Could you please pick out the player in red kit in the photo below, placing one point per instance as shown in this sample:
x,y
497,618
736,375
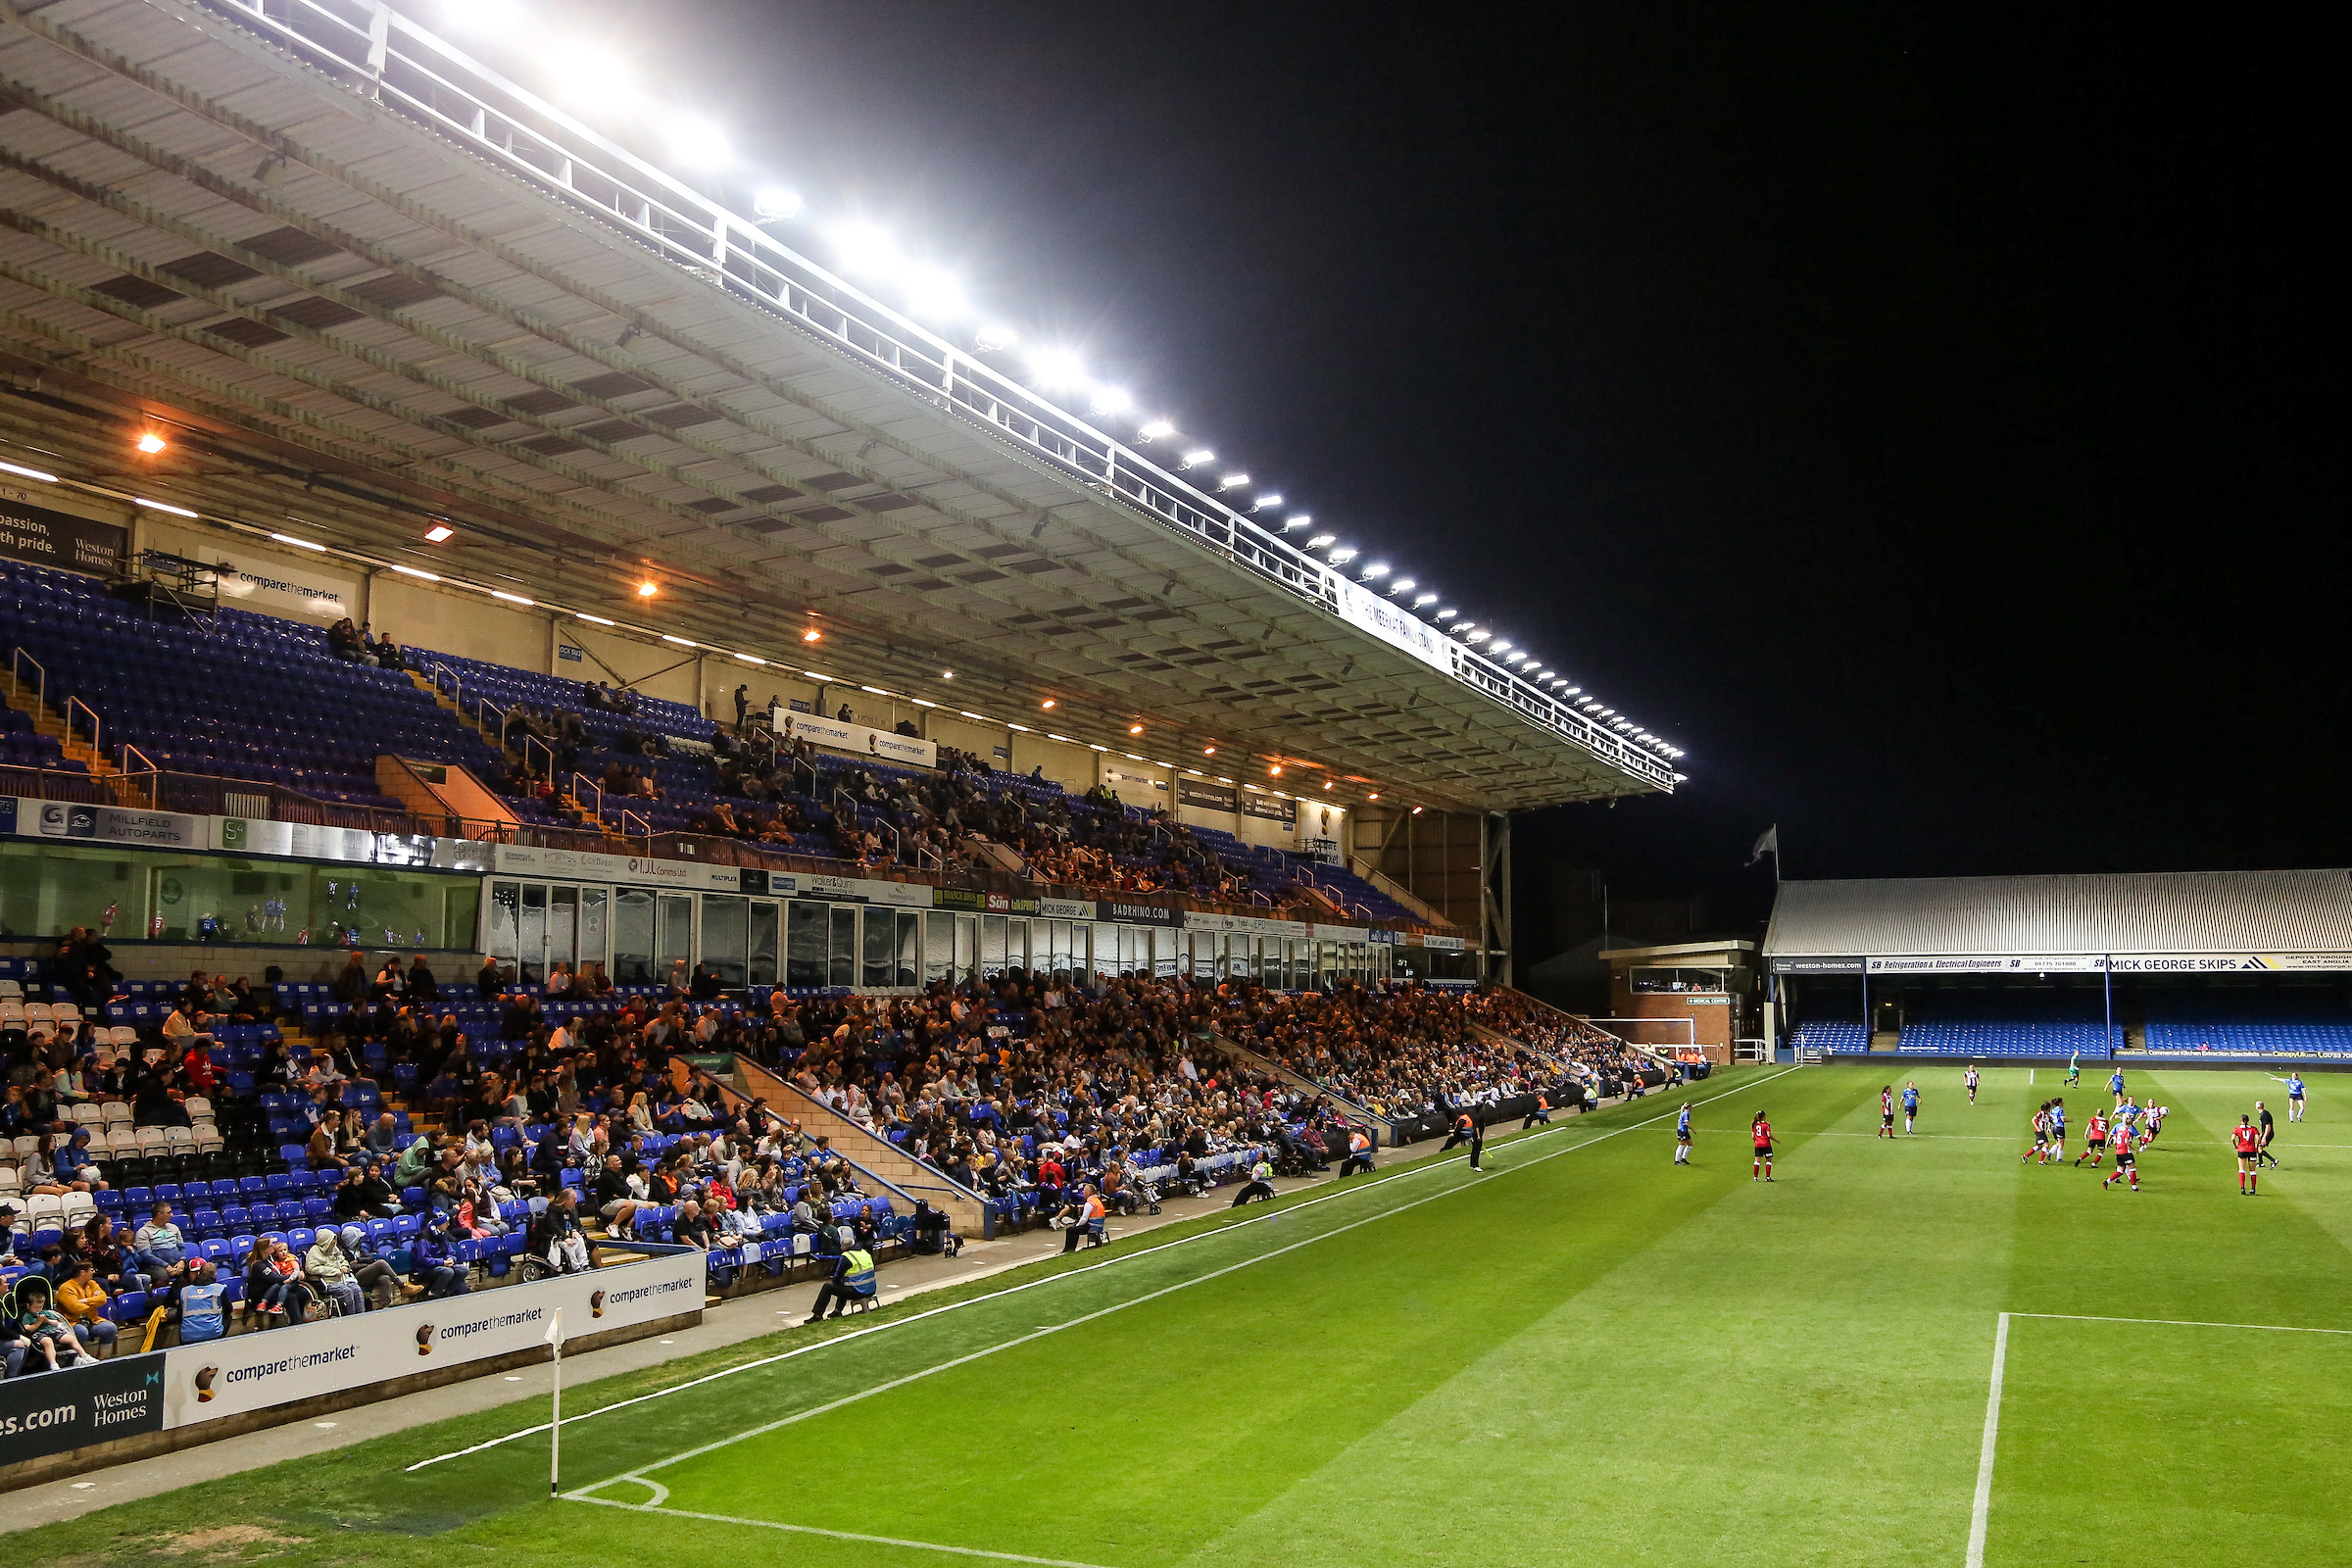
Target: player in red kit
x,y
1886,1111
2094,1140
2126,1163
1761,1133
2247,1138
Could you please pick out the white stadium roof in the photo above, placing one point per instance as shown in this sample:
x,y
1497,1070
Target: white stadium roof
x,y
2138,912
367,282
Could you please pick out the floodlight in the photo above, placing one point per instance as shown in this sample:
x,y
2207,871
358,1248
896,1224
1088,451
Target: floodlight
x,y
438,532
589,74
936,292
774,202
1109,400
1445,614
1297,519
1403,585
1480,636
862,247
697,142
1155,430
150,443
990,339
1378,569
1233,481
1426,598
1197,455
1271,499
1503,647
1344,555
648,588
1056,369
1320,540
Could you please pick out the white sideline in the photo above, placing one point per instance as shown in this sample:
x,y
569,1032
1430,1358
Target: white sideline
x,y
1124,1257
836,1535
1631,1127
1979,1515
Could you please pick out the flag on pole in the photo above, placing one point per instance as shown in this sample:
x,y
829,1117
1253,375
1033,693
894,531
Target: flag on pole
x,y
1768,842
555,1417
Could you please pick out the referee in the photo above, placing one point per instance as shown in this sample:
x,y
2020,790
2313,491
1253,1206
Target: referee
x,y
2262,1119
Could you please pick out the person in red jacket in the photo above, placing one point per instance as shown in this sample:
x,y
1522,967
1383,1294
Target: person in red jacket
x,y
1761,1133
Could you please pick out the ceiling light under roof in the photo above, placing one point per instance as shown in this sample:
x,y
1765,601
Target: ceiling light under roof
x,y
439,533
29,473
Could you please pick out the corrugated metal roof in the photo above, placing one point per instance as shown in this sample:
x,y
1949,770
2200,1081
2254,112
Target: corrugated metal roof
x,y
2155,911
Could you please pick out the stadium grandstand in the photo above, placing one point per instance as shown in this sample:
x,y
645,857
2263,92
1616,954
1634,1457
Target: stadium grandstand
x,y
549,736
2233,965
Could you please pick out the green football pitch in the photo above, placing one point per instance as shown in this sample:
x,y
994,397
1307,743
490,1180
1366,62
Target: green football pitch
x,y
1585,1355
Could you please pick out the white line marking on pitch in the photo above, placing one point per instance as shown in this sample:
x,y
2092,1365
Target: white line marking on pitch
x,y
2179,1323
1124,1257
836,1535
1979,1515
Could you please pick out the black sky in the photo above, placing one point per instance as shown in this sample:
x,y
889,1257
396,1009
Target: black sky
x,y
1929,416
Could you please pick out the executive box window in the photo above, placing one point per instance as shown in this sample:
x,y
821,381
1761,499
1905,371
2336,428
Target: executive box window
x,y
1655,982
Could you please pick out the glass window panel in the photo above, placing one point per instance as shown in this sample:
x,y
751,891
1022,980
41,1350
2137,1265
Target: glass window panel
x,y
563,926
911,952
596,907
939,947
878,946
844,970
968,947
726,925
1106,949
992,946
530,935
807,958
760,967
505,905
677,932
1016,943
633,936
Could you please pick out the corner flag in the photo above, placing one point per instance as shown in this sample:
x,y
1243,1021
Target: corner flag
x,y
1768,842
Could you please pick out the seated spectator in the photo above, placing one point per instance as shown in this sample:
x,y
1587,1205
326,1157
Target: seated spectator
x,y
273,1284
433,1262
82,1299
38,1335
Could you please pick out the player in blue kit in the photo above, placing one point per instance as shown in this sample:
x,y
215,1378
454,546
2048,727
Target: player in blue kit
x,y
1910,1105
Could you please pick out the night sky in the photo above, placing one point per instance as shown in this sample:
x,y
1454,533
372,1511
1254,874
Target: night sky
x,y
1928,417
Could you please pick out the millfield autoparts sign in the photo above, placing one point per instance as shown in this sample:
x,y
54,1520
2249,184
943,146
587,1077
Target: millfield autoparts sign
x,y
96,1401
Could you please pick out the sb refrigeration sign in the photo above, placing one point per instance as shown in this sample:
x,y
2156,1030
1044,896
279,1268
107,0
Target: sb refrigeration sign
x,y
96,1401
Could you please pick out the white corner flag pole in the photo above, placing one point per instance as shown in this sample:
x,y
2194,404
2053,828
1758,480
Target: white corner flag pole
x,y
555,1429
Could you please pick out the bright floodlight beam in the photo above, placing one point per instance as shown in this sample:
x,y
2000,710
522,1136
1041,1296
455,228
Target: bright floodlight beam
x,y
1109,400
862,247
994,337
1197,455
1424,599
774,203
1274,499
1056,369
1297,519
936,292
697,142
1233,481
1155,430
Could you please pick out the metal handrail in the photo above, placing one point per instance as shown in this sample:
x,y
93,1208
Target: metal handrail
x,y
40,690
411,71
529,741
457,684
88,713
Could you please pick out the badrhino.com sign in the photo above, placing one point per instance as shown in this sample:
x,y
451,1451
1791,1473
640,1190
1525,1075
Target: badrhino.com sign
x,y
96,1401
256,1371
